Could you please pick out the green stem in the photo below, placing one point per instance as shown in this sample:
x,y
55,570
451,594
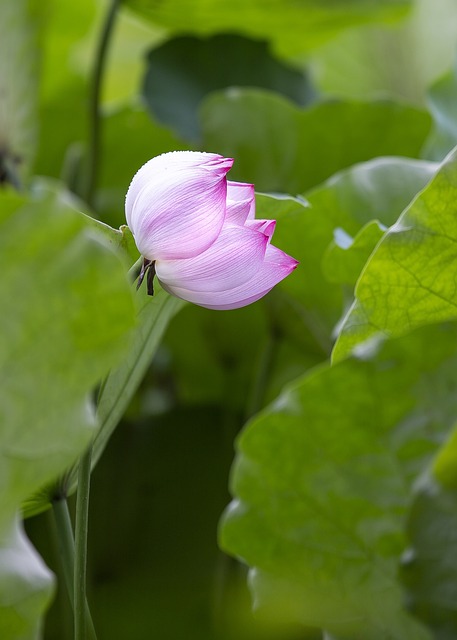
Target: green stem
x,y
66,542
94,101
67,554
81,528
63,604
135,269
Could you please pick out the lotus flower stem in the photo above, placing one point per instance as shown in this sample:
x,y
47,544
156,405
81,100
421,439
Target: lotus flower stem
x,y
81,528
94,102
66,543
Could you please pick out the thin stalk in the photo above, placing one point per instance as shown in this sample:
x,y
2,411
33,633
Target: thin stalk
x,y
94,101
62,601
81,528
66,544
135,269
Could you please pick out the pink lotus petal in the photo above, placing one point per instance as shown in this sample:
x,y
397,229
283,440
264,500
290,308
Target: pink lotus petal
x,y
234,258
165,162
276,267
239,191
240,202
175,206
264,226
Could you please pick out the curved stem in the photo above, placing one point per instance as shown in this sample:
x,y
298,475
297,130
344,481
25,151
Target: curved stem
x,y
94,101
81,528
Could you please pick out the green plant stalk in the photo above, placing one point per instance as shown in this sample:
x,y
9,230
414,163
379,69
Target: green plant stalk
x,y
62,599
94,102
66,543
81,528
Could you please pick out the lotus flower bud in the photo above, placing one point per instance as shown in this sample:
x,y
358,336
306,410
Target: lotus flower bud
x,y
198,233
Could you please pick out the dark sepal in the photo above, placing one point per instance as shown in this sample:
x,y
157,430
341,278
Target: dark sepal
x,y
148,267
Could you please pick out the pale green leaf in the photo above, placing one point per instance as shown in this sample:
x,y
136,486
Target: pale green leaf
x,y
379,189
67,314
293,27
375,190
409,280
280,147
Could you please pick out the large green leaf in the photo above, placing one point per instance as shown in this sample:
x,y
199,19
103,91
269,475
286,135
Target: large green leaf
x,y
293,325
409,280
323,481
67,313
379,189
376,190
293,27
182,71
19,73
280,147
304,236
429,569
346,256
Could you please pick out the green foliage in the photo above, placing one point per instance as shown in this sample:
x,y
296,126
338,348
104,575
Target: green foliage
x,y
280,147
26,585
292,27
409,279
181,72
119,386
63,87
428,569
323,486
19,68
129,139
346,256
441,102
400,62
67,315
